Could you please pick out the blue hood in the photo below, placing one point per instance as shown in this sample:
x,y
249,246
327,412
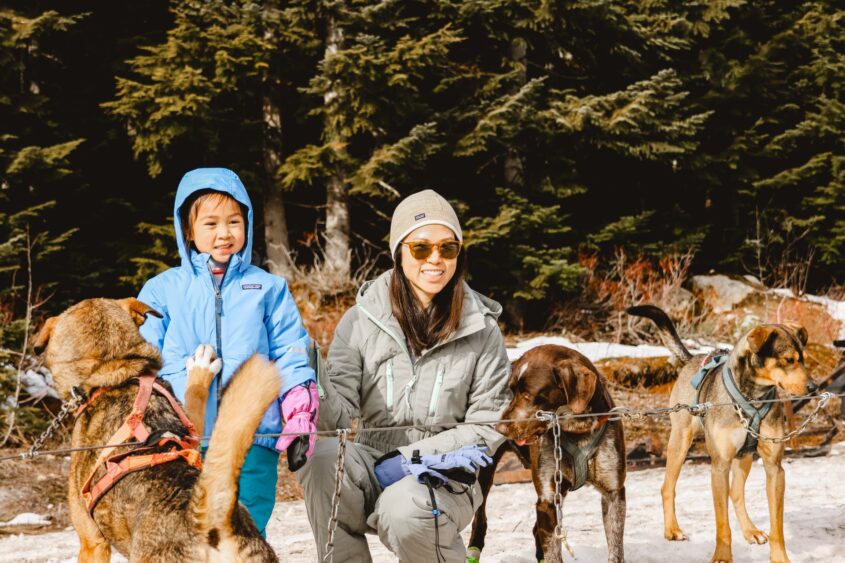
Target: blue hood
x,y
220,180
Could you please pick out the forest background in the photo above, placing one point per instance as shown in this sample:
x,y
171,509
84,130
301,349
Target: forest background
x,y
590,146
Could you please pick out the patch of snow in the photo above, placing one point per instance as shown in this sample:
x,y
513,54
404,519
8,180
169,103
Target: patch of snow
x,y
38,385
27,519
814,521
600,350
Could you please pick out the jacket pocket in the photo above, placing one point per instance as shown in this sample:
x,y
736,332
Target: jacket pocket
x,y
435,393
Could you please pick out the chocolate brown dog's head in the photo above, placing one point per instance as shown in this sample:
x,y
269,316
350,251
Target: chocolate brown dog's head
x,y
774,356
548,378
96,343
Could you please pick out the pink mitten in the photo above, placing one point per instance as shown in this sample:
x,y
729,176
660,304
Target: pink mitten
x,y
299,411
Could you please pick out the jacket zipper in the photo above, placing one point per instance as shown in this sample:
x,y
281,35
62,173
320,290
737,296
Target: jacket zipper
x,y
218,313
435,393
389,376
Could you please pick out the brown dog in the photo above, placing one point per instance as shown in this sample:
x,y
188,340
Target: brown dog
x,y
560,380
166,512
768,357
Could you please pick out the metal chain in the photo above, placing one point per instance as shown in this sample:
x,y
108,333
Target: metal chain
x,y
338,476
823,399
560,531
69,406
617,413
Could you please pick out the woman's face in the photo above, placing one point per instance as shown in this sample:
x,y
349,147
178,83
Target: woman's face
x,y
430,275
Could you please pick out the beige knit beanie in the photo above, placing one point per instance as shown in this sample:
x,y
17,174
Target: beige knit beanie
x,y
422,208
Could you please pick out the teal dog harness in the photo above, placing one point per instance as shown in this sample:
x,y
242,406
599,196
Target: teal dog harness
x,y
581,455
752,414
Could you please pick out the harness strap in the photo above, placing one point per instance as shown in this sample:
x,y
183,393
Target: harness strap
x,y
754,415
192,436
706,369
133,425
581,455
118,466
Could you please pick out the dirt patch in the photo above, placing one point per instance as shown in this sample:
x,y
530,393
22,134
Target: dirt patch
x,y
39,486
287,487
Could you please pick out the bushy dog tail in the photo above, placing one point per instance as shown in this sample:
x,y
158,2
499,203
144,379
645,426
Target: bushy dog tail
x,y
248,395
665,329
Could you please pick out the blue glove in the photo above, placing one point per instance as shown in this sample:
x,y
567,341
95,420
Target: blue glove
x,y
393,466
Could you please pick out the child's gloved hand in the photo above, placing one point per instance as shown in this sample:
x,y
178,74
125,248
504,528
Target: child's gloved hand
x,y
299,411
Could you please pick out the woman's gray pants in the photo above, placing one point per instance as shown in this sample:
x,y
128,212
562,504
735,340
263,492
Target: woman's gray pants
x,y
401,515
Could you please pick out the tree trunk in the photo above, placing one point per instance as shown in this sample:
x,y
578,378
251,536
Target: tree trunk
x,y
513,162
515,310
279,260
337,251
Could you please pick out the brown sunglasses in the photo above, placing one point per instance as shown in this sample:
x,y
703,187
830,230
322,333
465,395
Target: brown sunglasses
x,y
421,250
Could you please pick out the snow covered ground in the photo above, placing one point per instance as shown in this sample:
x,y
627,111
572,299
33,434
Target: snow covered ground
x,y
600,350
814,518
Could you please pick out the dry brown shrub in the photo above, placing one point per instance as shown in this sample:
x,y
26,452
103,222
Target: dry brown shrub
x,y
608,289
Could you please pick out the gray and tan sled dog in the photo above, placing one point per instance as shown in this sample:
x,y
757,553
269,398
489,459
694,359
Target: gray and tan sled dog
x,y
149,495
766,361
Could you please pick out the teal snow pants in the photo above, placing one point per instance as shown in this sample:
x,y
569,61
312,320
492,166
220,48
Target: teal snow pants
x,y
258,484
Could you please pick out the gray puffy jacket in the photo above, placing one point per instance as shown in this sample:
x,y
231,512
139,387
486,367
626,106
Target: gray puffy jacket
x,y
371,376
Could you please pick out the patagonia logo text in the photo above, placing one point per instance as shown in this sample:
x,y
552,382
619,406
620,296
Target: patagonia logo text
x,y
251,286
420,216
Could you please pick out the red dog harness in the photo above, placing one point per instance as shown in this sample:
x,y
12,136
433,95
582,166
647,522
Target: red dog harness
x,y
120,465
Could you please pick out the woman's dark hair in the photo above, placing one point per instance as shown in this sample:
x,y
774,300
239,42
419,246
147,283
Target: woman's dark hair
x,y
424,328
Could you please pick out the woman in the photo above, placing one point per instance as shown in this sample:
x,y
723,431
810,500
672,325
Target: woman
x,y
419,348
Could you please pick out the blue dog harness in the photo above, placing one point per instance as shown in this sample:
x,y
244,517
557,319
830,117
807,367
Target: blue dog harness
x,y
753,415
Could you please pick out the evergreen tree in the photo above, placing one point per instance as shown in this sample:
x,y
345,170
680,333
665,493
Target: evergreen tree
x,y
212,94
34,166
34,152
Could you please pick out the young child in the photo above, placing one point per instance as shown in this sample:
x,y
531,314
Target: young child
x,y
217,297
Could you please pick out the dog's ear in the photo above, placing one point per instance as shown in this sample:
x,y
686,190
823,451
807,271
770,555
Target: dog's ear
x,y
514,372
799,331
138,310
44,335
578,384
758,337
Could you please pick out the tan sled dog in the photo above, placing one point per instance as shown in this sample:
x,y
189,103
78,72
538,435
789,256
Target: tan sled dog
x,y
768,357
169,510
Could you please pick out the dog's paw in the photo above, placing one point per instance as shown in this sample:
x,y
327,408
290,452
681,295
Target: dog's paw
x,y
755,536
722,555
675,535
204,359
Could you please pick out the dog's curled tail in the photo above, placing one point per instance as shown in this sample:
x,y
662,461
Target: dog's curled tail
x,y
252,389
665,329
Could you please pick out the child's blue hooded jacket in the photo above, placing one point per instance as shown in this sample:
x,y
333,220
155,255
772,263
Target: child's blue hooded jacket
x,y
253,313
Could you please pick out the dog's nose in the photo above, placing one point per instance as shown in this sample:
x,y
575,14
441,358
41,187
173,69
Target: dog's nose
x,y
812,387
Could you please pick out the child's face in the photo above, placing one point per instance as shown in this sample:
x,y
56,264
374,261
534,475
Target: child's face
x,y
219,228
